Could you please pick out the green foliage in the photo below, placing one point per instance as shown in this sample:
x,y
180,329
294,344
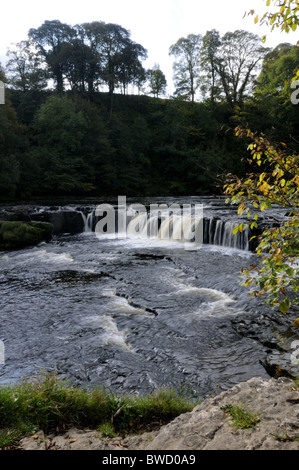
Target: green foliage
x,y
25,67
285,17
242,417
12,143
83,142
49,404
149,146
187,54
273,91
274,180
157,81
239,54
72,144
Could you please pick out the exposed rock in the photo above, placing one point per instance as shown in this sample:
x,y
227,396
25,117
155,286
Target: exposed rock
x,y
16,234
207,427
63,221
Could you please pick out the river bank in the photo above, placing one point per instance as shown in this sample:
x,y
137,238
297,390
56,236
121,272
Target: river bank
x,y
208,427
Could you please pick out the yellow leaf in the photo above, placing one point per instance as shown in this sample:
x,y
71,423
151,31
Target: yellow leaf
x,y
241,209
262,176
256,19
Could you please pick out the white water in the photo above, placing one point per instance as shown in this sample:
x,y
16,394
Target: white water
x,y
182,229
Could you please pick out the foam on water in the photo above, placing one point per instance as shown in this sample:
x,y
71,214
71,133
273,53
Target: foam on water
x,y
33,256
112,335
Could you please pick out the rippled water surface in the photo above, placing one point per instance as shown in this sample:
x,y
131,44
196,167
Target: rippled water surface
x,y
133,315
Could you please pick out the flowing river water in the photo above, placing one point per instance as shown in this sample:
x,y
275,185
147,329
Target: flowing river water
x,y
131,314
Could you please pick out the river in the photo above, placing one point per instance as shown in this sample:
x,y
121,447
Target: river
x,y
130,314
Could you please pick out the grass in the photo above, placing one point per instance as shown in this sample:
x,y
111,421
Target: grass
x,y
286,438
50,404
242,417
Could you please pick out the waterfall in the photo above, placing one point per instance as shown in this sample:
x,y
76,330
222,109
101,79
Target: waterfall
x,y
88,227
178,228
220,232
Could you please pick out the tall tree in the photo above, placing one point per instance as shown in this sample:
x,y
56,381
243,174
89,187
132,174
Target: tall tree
x,y
129,67
157,81
119,56
239,55
210,79
25,67
186,66
51,39
86,59
79,66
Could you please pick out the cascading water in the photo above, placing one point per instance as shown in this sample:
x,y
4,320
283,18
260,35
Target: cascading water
x,y
179,228
221,234
132,313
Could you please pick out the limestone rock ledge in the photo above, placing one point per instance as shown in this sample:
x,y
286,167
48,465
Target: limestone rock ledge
x,y
207,427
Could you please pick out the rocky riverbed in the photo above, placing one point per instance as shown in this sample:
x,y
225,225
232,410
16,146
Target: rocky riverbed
x,y
207,427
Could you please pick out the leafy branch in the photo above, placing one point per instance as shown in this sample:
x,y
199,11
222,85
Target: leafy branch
x,y
275,180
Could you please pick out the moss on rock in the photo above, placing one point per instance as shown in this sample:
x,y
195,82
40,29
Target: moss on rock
x,y
14,235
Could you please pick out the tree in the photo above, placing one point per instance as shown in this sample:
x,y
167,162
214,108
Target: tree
x,y
72,146
274,180
187,65
80,66
209,57
157,81
60,127
273,91
119,56
130,69
52,39
285,17
86,59
238,57
12,145
26,68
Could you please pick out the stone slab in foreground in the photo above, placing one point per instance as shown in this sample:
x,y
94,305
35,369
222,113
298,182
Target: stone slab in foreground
x,y
208,427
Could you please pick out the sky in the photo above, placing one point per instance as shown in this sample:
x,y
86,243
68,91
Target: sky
x,y
155,24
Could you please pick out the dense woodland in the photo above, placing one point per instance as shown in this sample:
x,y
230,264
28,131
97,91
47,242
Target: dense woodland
x,y
69,127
